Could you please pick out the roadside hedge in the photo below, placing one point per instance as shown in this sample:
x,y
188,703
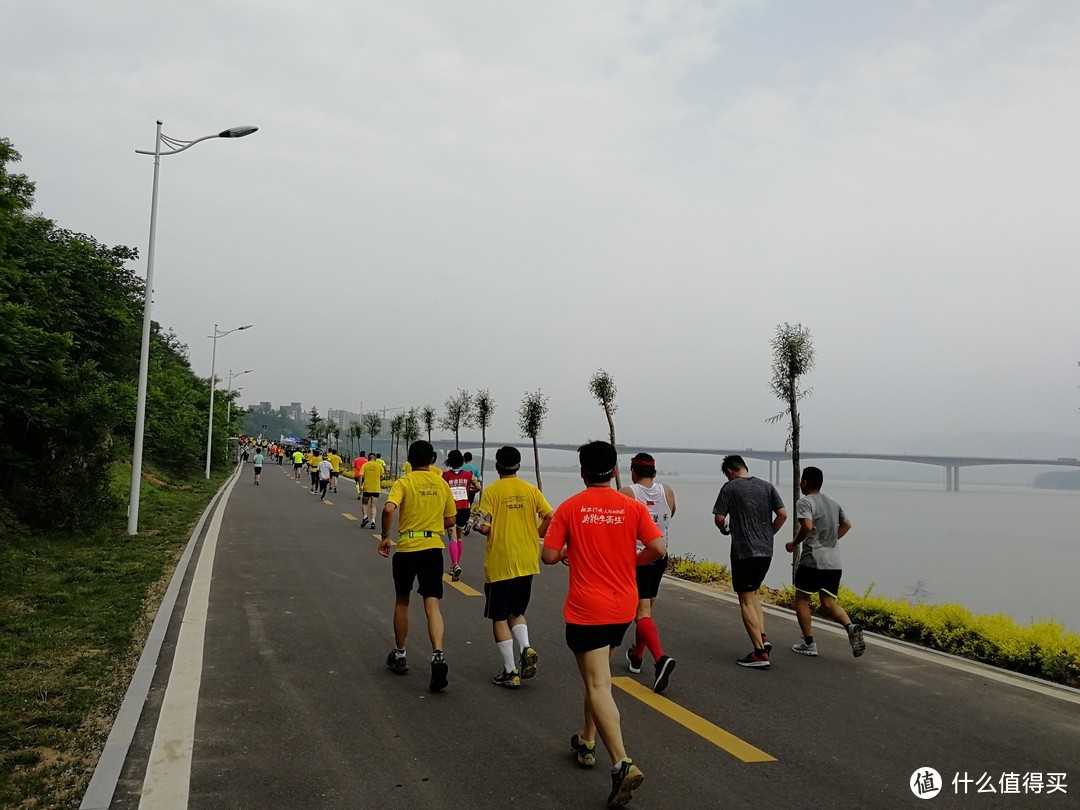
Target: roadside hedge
x,y
1044,649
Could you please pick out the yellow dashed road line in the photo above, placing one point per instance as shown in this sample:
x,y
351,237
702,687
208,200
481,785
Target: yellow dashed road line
x,y
461,586
347,516
740,749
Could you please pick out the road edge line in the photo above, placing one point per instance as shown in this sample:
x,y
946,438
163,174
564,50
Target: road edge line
x,y
169,762
102,786
1016,679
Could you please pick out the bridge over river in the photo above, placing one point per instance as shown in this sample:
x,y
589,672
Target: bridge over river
x,y
950,464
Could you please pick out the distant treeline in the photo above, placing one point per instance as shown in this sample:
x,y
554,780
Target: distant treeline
x,y
70,332
1058,479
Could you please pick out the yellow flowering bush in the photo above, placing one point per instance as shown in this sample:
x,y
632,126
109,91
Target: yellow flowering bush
x,y
1044,649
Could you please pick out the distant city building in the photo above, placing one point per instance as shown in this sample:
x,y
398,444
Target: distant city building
x,y
341,418
266,407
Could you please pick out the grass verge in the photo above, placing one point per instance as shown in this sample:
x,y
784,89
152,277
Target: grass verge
x,y
74,613
1044,649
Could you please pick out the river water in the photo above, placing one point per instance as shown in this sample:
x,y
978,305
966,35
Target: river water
x,y
1008,550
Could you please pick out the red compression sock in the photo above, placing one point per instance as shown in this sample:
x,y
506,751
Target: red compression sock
x,y
648,636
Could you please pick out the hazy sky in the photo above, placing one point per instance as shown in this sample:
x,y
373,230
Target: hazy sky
x,y
509,196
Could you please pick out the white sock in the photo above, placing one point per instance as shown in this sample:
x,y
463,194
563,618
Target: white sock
x,y
399,653
521,634
506,650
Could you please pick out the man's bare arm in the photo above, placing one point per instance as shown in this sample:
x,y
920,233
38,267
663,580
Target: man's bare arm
x,y
551,556
670,493
545,521
779,520
653,551
845,527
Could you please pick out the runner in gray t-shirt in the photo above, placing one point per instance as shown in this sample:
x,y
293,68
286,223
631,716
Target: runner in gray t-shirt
x,y
822,523
757,513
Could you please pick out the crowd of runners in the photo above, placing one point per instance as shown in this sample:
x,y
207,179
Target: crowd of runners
x,y
615,543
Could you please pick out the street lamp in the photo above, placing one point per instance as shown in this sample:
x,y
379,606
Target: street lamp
x,y
228,411
175,146
213,361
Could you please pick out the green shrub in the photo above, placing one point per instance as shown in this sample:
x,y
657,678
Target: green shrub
x,y
688,567
1044,649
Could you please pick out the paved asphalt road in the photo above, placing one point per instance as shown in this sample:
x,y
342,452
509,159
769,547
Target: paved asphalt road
x,y
296,708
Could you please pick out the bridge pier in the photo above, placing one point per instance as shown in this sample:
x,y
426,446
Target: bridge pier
x,y
952,478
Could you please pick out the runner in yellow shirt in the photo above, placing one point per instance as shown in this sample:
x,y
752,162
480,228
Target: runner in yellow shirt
x,y
335,467
370,490
313,468
297,463
427,510
509,511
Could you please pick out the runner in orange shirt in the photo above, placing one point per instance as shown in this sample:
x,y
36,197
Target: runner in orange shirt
x,y
596,533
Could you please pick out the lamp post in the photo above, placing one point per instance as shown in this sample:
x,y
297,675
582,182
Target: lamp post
x,y
175,146
213,361
228,411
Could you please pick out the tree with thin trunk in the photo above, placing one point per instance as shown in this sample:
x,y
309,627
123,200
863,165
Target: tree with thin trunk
x,y
397,428
427,416
484,406
372,423
411,428
531,415
314,421
459,414
356,433
793,358
602,387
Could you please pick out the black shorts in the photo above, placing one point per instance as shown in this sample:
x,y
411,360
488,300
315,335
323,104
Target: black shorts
x,y
369,495
424,567
748,573
462,518
297,466
649,576
582,638
507,597
258,470
817,580
472,496
334,475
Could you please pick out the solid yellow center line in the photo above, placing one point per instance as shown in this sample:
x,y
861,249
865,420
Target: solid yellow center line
x,y
328,503
347,516
461,586
699,725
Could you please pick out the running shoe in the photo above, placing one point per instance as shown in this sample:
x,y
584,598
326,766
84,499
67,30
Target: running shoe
x,y
635,663
855,638
468,528
802,648
511,680
583,751
624,782
397,663
455,573
755,659
527,664
664,667
765,643
439,670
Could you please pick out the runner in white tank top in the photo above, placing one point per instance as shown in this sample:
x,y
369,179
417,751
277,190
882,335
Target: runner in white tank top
x,y
659,499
